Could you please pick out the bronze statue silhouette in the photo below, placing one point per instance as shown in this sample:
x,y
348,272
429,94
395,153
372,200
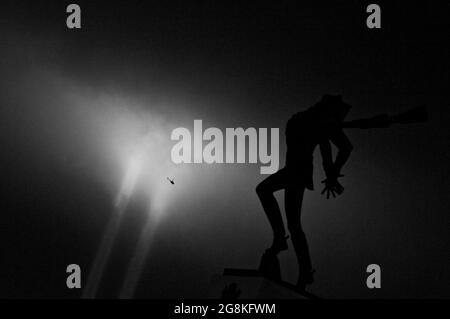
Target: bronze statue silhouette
x,y
320,124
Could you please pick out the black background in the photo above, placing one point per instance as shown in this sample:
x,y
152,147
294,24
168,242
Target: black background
x,y
246,64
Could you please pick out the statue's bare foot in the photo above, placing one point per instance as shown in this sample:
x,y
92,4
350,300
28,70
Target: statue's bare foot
x,y
279,244
305,278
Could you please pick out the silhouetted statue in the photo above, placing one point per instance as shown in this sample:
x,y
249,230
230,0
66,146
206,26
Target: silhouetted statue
x,y
319,125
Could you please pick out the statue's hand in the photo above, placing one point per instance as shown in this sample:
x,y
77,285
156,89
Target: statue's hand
x,y
332,186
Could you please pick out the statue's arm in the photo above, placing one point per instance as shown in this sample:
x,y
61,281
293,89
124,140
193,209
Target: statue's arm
x,y
327,157
341,141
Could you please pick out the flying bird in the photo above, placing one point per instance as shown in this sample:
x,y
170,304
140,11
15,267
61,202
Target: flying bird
x,y
171,181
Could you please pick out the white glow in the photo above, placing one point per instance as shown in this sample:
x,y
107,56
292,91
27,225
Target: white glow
x,y
125,144
134,145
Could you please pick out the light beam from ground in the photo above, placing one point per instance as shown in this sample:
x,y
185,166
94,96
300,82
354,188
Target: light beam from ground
x,y
137,262
105,248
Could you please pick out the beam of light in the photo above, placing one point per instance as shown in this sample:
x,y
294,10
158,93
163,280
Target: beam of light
x,y
137,262
130,140
101,258
146,167
129,182
107,242
161,192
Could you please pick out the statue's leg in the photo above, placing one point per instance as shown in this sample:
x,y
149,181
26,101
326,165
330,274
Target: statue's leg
x,y
265,192
293,204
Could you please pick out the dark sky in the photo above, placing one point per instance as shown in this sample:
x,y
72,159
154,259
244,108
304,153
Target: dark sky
x,y
62,92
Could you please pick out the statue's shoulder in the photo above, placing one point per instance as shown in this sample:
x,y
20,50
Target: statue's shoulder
x,y
302,118
298,117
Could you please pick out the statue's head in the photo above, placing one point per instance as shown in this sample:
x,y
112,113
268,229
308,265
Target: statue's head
x,y
331,107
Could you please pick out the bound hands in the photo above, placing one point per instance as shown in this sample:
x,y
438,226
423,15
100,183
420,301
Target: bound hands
x,y
332,186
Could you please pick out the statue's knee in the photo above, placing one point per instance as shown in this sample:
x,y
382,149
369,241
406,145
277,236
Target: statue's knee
x,y
260,190
295,229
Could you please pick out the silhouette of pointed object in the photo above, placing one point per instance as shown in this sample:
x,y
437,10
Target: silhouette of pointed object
x,y
414,115
171,181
